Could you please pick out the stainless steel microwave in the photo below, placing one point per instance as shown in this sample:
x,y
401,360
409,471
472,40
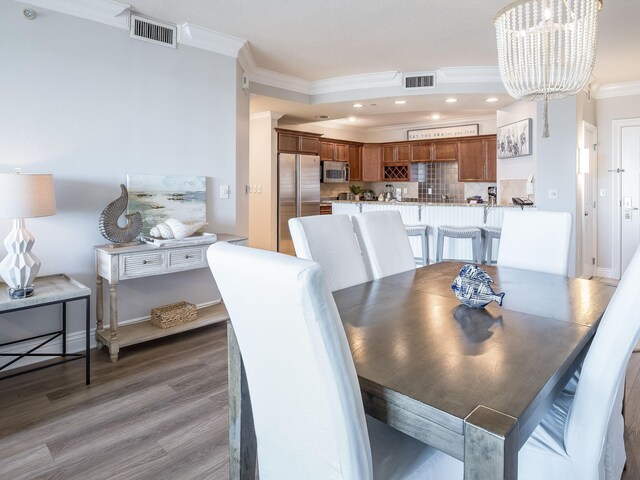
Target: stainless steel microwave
x,y
334,172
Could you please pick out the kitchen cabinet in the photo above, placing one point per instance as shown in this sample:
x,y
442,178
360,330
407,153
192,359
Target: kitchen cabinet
x,y
354,158
290,141
371,163
434,152
445,152
396,153
397,171
333,151
477,160
421,152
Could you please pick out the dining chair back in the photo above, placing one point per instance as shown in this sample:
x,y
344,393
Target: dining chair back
x,y
602,372
535,240
306,401
330,241
384,243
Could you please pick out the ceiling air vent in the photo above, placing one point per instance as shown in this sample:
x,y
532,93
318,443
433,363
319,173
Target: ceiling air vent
x,y
152,31
419,80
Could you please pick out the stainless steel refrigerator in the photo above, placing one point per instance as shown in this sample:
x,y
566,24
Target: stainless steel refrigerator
x,y
298,193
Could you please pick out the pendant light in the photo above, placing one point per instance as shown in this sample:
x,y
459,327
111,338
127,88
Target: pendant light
x,y
547,48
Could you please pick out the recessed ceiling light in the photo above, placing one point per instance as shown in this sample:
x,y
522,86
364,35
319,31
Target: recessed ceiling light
x,y
323,117
400,102
435,116
358,105
352,119
491,99
451,100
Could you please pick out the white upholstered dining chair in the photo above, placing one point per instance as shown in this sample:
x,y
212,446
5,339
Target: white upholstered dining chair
x,y
570,441
384,243
330,241
535,240
307,407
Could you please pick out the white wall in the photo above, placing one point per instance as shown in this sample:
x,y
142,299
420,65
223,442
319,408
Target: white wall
x,y
556,169
85,102
607,110
263,205
486,126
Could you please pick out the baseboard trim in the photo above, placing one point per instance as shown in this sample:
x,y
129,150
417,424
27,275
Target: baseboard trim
x,y
75,343
604,273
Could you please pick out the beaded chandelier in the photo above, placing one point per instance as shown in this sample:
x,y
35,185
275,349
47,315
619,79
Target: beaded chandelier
x,y
546,48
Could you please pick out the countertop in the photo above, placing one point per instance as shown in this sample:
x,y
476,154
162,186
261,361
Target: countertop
x,y
431,204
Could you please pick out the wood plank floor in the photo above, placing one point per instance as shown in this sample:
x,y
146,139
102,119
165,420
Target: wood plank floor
x,y
159,413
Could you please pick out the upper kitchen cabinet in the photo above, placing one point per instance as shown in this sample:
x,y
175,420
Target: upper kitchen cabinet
x,y
290,141
334,151
396,153
371,163
477,159
421,152
434,151
445,152
354,158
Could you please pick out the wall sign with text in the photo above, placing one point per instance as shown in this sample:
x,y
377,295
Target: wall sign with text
x,y
443,132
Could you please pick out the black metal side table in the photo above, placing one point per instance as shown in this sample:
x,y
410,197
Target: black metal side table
x,y
49,290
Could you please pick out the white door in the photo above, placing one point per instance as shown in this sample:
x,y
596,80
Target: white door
x,y
589,186
629,193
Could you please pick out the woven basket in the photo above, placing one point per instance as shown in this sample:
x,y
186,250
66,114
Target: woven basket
x,y
173,314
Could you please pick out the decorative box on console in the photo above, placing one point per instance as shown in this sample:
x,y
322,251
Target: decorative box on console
x,y
173,314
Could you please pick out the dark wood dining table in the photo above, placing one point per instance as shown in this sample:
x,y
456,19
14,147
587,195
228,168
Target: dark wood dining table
x,y
473,383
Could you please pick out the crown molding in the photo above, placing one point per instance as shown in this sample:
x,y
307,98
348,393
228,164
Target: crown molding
x,y
618,90
207,39
447,123
357,82
108,12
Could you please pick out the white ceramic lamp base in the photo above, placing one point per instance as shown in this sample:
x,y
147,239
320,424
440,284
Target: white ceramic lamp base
x,y
20,267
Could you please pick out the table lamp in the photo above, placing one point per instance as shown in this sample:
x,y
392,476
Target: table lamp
x,y
23,196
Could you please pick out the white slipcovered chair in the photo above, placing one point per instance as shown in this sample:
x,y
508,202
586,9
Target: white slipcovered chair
x,y
307,407
535,240
384,243
569,443
330,241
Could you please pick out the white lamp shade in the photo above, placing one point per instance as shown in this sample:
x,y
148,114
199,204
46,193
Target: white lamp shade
x,y
24,195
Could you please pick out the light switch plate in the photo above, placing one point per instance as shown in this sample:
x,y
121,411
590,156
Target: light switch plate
x,y
224,191
553,193
603,192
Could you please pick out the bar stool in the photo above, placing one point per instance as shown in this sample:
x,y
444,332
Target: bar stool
x,y
489,234
420,231
473,233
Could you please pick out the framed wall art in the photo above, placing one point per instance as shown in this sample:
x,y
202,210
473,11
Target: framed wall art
x,y
514,139
160,197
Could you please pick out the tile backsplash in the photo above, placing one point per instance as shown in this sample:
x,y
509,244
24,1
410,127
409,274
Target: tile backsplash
x,y
507,189
430,182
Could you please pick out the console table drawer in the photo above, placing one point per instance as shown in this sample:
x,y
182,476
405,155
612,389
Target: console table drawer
x,y
142,265
188,258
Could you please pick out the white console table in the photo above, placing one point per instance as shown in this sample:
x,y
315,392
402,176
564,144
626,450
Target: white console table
x,y
116,264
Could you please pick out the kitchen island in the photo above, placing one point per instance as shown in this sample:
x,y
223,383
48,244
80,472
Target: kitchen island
x,y
434,215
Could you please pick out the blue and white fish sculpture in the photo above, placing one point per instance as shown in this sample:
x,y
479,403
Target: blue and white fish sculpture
x,y
472,286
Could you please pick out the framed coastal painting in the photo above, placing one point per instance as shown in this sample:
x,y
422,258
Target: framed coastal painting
x,y
160,197
514,140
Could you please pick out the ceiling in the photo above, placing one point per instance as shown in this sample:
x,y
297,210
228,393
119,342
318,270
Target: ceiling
x,y
380,112
315,40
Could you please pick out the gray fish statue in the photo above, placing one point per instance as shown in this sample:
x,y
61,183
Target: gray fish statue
x,y
108,222
472,286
